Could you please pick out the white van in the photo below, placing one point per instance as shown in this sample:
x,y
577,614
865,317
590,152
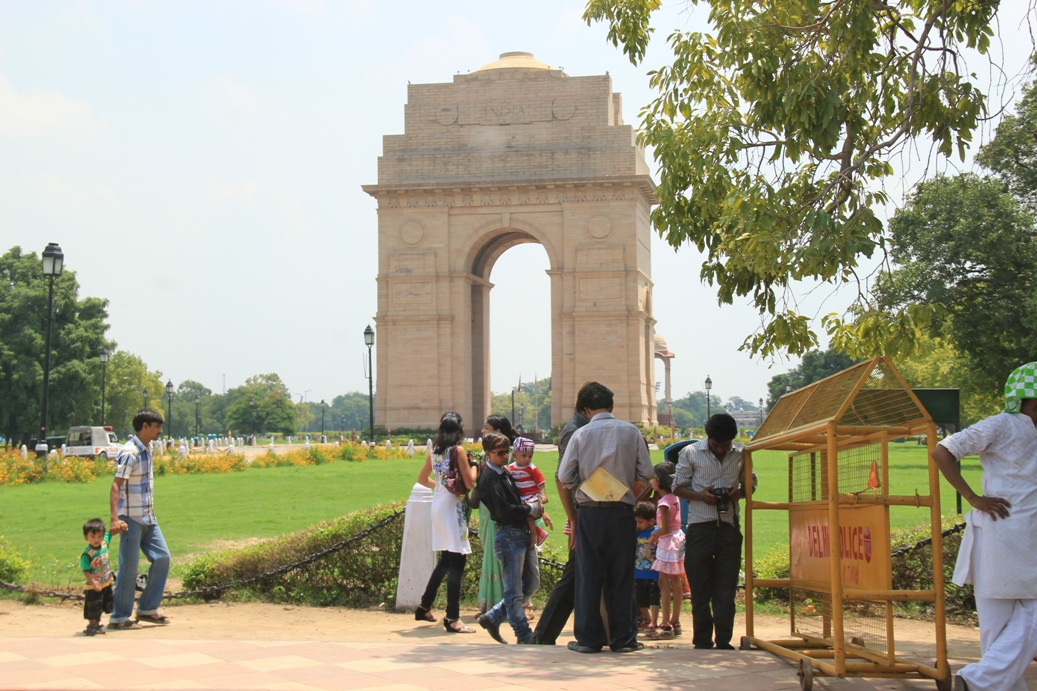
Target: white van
x,y
92,441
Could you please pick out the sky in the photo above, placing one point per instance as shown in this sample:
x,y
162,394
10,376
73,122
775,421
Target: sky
x,y
200,164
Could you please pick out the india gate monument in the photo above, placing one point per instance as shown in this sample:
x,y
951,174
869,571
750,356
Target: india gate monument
x,y
514,152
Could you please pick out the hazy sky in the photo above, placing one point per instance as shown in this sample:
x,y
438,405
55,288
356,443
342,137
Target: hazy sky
x,y
200,165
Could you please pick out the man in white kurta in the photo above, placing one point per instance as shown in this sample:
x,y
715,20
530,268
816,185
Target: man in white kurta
x,y
998,554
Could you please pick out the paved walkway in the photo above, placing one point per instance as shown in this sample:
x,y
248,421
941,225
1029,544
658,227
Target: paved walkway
x,y
123,661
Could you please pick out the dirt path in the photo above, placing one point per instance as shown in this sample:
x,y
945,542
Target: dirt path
x,y
252,621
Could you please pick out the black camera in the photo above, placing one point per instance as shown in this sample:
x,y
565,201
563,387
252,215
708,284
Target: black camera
x,y
722,495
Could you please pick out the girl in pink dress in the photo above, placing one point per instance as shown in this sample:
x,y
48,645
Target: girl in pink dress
x,y
669,556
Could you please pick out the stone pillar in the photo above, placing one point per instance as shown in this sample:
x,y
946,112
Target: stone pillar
x,y
416,556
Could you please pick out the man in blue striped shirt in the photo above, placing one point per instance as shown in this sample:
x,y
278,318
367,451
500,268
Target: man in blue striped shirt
x,y
714,538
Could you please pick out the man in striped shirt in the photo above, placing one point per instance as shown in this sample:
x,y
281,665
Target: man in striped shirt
x,y
132,501
714,538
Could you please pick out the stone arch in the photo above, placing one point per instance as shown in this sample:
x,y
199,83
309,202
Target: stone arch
x,y
513,153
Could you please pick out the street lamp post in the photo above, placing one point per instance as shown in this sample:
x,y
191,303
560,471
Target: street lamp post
x,y
709,385
761,411
53,261
322,406
169,409
369,342
103,355
145,392
197,415
251,416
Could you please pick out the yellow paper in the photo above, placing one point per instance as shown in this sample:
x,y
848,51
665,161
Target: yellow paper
x,y
603,486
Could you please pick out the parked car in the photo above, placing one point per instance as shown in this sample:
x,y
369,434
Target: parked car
x,y
101,442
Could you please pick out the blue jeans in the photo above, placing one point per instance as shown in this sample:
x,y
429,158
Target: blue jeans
x,y
140,538
518,560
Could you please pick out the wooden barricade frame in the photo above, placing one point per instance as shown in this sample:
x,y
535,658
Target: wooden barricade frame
x,y
839,523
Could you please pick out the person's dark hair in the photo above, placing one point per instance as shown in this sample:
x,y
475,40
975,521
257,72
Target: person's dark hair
x,y
594,396
495,441
94,525
503,425
644,510
145,416
450,432
664,475
721,427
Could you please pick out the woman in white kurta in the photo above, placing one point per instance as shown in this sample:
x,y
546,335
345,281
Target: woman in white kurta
x,y
998,554
449,523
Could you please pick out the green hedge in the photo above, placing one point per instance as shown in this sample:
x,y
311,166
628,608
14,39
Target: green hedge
x,y
362,574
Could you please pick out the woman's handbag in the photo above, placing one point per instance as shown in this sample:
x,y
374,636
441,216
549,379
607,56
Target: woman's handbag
x,y
454,480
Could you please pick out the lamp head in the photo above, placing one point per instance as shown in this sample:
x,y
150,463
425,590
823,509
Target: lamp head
x,y
103,354
53,260
709,383
369,336
169,387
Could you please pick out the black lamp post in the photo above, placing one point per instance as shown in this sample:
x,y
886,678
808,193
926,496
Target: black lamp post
x,y
53,261
169,408
103,355
145,397
761,411
197,415
369,342
323,405
709,385
251,416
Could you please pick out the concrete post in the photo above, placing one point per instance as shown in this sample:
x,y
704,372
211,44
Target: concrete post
x,y
416,556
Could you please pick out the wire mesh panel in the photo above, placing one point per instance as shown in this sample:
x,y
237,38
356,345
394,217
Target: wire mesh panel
x,y
864,623
882,401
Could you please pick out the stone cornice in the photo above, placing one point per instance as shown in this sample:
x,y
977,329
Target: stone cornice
x,y
513,192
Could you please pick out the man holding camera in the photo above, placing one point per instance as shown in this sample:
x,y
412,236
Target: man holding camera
x,y
709,476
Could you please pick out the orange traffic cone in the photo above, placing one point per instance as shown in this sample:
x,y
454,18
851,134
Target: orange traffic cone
x,y
873,476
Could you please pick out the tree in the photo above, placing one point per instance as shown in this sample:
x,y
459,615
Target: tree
x,y
77,334
815,366
1012,154
965,246
127,377
773,131
273,410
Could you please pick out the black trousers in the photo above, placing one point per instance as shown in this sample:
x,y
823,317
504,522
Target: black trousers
x,y
451,566
606,540
559,605
712,558
96,602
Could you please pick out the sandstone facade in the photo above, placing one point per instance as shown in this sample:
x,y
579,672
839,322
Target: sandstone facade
x,y
512,153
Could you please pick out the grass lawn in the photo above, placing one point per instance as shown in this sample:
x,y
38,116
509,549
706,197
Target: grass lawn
x,y
200,513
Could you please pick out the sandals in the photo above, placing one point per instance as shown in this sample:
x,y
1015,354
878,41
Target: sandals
x,y
159,619
93,629
676,629
123,625
422,614
664,631
448,624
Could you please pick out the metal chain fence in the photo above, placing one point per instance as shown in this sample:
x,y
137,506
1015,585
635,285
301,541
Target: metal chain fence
x,y
283,569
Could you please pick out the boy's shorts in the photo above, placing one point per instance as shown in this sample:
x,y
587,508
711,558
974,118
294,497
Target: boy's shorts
x,y
97,601
647,592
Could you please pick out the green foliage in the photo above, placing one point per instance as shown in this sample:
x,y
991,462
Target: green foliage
x,y
965,246
13,568
262,404
774,130
77,334
815,366
938,364
913,570
1012,154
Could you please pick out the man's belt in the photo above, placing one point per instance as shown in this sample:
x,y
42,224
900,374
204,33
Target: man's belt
x,y
603,504
520,526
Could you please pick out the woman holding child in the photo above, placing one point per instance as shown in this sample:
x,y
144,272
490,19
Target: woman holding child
x,y
449,522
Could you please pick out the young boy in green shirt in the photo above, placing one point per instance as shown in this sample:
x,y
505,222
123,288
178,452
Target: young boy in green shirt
x,y
94,563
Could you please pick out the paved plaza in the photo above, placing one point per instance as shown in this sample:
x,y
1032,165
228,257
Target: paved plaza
x,y
124,660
